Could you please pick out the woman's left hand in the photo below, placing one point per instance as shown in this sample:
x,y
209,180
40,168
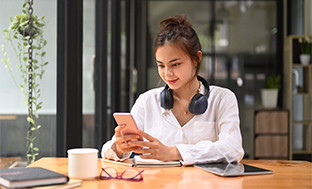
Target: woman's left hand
x,y
154,149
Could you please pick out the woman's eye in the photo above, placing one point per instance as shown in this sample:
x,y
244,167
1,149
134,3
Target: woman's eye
x,y
160,66
176,64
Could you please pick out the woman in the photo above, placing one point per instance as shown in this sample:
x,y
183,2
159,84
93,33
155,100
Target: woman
x,y
173,127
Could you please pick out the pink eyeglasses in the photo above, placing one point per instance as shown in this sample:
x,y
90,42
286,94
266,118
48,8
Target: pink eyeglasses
x,y
130,173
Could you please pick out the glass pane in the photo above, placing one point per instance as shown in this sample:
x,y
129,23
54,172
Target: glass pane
x,y
13,110
88,72
197,13
239,47
245,26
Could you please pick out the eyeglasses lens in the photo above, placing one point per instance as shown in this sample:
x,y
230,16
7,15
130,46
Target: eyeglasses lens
x,y
128,174
109,173
131,174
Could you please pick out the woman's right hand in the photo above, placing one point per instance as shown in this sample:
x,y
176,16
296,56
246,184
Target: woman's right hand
x,y
121,142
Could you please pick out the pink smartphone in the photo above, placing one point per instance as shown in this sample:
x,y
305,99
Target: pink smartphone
x,y
127,119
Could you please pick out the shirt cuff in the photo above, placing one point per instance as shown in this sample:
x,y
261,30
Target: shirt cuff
x,y
186,155
109,153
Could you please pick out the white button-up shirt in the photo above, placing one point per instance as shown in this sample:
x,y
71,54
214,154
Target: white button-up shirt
x,y
213,136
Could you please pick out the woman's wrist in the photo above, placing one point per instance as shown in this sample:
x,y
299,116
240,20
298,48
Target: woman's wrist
x,y
176,154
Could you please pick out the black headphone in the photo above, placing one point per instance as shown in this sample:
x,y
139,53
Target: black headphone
x,y
198,104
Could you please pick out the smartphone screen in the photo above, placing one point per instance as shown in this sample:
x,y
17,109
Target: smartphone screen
x,y
127,120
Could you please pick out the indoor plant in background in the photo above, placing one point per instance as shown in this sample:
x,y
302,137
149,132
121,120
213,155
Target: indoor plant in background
x,y
25,37
269,93
305,50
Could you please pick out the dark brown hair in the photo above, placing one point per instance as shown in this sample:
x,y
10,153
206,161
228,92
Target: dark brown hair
x,y
178,31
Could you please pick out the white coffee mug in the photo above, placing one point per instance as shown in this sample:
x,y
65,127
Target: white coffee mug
x,y
82,163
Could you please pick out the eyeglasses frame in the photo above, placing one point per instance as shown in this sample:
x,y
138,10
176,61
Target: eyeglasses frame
x,y
120,176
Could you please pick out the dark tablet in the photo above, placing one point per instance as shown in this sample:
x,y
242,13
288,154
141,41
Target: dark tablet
x,y
232,169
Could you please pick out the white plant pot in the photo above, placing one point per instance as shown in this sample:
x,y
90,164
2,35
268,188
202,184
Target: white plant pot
x,y
269,98
305,59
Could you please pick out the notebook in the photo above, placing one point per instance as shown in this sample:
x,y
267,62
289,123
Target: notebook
x,y
72,183
137,161
232,169
30,177
140,162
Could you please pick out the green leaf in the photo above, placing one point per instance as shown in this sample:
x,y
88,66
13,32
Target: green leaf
x,y
29,119
273,82
36,149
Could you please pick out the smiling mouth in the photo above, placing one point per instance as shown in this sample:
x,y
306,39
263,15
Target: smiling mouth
x,y
172,81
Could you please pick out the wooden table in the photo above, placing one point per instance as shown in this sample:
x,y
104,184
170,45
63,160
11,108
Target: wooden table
x,y
287,174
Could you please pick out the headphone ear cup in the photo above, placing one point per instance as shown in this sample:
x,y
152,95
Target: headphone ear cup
x,y
166,100
198,104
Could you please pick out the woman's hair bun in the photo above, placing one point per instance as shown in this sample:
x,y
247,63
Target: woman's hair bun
x,y
178,31
174,21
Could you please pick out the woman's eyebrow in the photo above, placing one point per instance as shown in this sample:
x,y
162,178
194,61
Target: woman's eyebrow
x,y
175,59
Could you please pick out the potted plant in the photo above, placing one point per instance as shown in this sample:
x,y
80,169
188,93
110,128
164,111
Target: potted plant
x,y
305,50
25,37
269,93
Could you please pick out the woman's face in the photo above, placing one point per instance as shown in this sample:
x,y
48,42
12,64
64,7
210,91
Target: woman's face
x,y
174,66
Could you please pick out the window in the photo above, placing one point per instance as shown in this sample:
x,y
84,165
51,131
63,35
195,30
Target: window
x,y
13,111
